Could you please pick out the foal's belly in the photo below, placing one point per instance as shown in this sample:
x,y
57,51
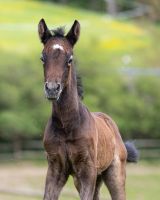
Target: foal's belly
x,y
105,144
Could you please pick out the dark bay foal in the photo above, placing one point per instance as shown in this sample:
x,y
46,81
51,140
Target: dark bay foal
x,y
80,143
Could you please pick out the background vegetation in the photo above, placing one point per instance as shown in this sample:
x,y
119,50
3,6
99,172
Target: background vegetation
x,y
118,60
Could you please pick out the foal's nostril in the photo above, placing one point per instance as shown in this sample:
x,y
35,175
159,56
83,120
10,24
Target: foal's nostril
x,y
46,86
51,86
58,86
52,90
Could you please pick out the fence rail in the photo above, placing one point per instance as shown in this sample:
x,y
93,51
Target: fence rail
x,y
148,149
33,149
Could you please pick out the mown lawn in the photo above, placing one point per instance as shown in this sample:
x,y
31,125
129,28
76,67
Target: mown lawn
x,y
142,181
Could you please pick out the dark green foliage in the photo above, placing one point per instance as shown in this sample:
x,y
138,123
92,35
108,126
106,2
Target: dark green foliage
x,y
120,5
89,4
132,101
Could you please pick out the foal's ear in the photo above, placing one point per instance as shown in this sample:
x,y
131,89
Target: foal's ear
x,y
74,33
44,33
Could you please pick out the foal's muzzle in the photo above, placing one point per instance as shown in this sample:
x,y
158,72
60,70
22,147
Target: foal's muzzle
x,y
52,90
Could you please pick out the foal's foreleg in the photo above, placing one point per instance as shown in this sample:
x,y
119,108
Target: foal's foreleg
x,y
85,182
114,178
97,187
55,181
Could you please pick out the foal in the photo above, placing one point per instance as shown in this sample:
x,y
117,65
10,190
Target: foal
x,y
80,143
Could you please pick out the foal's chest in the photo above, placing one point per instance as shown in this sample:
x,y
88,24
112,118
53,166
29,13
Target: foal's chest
x,y
69,152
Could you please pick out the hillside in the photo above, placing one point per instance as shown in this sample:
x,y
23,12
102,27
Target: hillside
x,y
102,38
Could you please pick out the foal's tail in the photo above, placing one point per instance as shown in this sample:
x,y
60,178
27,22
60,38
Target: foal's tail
x,y
133,154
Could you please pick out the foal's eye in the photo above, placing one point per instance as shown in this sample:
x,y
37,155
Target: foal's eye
x,y
42,58
70,60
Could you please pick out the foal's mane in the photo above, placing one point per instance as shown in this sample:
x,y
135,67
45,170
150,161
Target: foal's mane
x,y
79,86
60,32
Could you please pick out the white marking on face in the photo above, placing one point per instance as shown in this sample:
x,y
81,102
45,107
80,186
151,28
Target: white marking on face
x,y
57,46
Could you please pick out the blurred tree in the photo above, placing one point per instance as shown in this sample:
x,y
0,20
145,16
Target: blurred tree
x,y
90,4
63,1
134,104
17,118
112,7
17,126
155,8
93,4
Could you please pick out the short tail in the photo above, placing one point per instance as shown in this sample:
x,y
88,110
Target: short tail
x,y
133,154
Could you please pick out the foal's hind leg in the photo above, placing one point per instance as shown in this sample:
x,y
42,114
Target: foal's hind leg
x,y
97,188
114,178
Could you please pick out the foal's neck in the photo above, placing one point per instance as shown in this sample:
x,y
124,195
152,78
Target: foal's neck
x,y
67,109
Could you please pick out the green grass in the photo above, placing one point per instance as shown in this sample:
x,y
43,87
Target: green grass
x,y
142,181
103,40
17,197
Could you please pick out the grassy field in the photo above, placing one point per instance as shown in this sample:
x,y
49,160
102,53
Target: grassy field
x,y
109,40
25,181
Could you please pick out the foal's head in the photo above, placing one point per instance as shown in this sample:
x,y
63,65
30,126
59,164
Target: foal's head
x,y
57,56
